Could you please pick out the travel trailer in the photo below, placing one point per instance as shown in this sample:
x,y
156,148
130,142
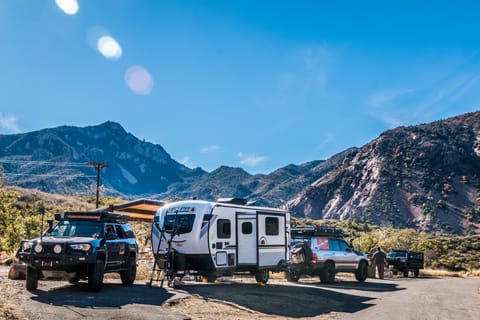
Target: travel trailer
x,y
211,239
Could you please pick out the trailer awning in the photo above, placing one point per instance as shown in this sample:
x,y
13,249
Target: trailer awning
x,y
137,210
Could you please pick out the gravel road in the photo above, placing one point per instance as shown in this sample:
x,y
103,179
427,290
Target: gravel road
x,y
241,298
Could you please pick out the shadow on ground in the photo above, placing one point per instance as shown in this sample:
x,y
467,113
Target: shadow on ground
x,y
289,300
112,296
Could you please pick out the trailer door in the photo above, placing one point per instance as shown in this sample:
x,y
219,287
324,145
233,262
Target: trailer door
x,y
246,238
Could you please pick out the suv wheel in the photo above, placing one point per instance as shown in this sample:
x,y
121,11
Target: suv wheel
x,y
292,275
32,279
95,276
262,276
362,272
129,274
327,274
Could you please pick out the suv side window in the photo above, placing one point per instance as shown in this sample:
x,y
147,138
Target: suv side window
x,y
119,230
342,245
334,246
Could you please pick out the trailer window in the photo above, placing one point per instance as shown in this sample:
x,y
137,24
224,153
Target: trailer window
x,y
247,228
223,229
180,223
271,226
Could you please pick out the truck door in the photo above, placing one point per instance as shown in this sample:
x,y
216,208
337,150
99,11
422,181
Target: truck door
x,y
247,249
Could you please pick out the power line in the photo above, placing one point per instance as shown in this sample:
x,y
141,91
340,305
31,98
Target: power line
x,y
6,174
45,163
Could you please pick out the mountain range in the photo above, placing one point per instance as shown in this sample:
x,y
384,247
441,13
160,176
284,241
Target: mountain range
x,y
425,177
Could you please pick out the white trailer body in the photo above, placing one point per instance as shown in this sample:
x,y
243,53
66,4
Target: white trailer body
x,y
217,238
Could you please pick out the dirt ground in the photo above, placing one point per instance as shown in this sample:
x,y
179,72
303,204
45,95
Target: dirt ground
x,y
240,298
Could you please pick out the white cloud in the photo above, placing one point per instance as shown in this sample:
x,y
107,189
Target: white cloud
x,y
209,149
9,123
251,160
383,98
69,7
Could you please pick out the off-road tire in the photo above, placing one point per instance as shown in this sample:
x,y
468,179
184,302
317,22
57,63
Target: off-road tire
x,y
327,274
31,279
262,276
128,275
362,272
95,276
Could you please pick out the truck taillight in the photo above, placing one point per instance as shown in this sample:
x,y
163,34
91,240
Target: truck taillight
x,y
314,257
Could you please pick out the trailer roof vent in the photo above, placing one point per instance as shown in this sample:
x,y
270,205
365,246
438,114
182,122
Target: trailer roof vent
x,y
239,201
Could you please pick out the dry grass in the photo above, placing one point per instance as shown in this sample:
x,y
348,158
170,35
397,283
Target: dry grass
x,y
450,274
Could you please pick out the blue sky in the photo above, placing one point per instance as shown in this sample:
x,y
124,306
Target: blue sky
x,y
251,84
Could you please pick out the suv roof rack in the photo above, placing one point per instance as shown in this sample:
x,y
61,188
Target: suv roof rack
x,y
104,216
310,231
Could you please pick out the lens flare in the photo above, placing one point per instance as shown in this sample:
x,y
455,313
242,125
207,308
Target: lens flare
x,y
139,80
70,7
109,47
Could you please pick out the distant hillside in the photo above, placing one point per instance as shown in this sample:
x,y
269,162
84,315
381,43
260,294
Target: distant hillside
x,y
135,167
426,177
272,189
54,160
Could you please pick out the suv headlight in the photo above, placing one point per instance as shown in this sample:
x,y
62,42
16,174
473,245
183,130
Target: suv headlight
x,y
27,245
81,246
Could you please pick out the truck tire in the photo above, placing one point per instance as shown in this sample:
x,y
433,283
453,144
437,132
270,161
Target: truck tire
x,y
262,276
416,273
95,276
362,272
292,275
128,275
405,273
32,279
327,274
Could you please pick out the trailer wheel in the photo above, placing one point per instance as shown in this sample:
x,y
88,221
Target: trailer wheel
x,y
327,274
262,276
210,277
416,273
405,273
32,279
292,276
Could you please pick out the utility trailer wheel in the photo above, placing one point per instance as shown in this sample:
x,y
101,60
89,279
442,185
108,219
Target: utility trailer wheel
x,y
262,276
292,276
32,279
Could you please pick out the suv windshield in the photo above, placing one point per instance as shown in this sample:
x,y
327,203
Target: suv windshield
x,y
68,228
397,254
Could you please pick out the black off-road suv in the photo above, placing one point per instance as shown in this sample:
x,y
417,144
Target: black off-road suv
x,y
82,245
323,251
405,261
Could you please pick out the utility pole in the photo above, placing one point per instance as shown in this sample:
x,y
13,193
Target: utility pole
x,y
98,166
